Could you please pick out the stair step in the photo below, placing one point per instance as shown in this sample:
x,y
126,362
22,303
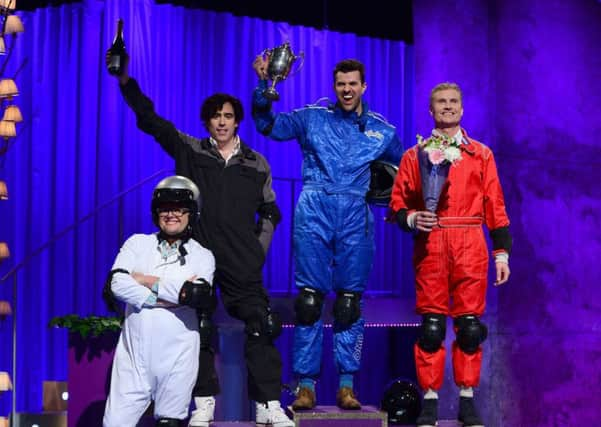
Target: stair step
x,y
332,416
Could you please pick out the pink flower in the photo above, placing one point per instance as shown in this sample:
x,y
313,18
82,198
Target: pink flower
x,y
436,156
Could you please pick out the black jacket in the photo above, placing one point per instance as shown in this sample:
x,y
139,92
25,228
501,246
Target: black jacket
x,y
238,214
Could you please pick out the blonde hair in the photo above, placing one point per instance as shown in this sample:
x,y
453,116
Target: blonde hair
x,y
445,86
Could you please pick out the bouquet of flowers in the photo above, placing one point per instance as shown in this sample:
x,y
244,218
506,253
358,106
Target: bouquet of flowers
x,y
436,154
440,148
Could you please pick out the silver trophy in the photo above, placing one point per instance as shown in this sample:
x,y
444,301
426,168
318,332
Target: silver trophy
x,y
280,60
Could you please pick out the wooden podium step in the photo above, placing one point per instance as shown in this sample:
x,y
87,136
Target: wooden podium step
x,y
332,416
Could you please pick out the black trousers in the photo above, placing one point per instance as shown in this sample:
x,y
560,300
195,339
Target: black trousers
x,y
246,301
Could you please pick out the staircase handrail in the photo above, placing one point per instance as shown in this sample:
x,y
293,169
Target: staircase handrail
x,y
78,222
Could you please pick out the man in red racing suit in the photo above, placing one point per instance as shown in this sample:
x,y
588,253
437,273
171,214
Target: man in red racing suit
x,y
450,255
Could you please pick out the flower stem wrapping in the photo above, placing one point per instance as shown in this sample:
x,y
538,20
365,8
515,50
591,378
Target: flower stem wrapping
x,y
433,178
436,154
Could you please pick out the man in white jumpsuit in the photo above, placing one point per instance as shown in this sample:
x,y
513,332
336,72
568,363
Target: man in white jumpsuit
x,y
162,277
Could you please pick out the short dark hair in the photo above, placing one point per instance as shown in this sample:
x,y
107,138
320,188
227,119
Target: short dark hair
x,y
215,102
348,65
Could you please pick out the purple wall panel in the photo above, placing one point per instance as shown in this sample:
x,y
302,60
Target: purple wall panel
x,y
547,71
531,75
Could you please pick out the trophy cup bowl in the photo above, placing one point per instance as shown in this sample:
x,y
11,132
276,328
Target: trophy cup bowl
x,y
281,59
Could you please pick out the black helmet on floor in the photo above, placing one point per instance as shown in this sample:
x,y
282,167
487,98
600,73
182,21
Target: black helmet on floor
x,y
176,190
402,402
380,184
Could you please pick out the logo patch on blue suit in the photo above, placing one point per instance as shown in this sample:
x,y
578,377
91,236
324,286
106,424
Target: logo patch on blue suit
x,y
374,134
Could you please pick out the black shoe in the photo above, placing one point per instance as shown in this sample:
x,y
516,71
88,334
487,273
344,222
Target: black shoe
x,y
428,417
468,414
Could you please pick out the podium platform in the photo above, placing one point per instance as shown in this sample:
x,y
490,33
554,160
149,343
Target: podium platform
x,y
332,416
233,424
390,332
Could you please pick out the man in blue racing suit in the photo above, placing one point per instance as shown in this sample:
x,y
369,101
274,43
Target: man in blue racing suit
x,y
333,225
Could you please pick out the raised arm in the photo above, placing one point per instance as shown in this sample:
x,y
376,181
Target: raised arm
x,y
147,119
280,126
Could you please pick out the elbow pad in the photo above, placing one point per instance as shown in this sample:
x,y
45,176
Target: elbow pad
x,y
107,293
271,211
197,294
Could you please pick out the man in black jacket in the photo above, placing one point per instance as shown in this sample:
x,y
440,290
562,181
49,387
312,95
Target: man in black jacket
x,y
235,187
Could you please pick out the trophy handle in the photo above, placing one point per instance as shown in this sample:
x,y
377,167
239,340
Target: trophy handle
x,y
266,52
301,55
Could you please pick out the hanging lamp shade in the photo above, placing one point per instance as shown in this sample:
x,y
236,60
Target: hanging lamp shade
x,y
12,114
8,88
5,383
8,4
5,309
3,191
13,25
4,252
7,129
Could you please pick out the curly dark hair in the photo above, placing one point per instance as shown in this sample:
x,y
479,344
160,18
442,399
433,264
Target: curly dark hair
x,y
215,102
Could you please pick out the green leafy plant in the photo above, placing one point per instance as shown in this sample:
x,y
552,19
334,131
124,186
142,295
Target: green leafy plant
x,y
87,326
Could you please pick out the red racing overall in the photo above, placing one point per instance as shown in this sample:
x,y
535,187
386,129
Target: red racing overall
x,y
451,262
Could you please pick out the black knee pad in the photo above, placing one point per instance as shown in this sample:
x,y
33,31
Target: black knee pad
x,y
272,325
308,306
267,325
432,332
168,422
198,294
205,329
470,333
347,308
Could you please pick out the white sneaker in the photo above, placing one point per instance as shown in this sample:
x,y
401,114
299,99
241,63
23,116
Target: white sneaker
x,y
204,412
272,414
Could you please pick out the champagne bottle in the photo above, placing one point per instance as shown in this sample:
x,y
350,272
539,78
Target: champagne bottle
x,y
117,52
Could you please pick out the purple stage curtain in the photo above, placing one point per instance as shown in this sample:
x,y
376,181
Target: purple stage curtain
x,y
79,148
